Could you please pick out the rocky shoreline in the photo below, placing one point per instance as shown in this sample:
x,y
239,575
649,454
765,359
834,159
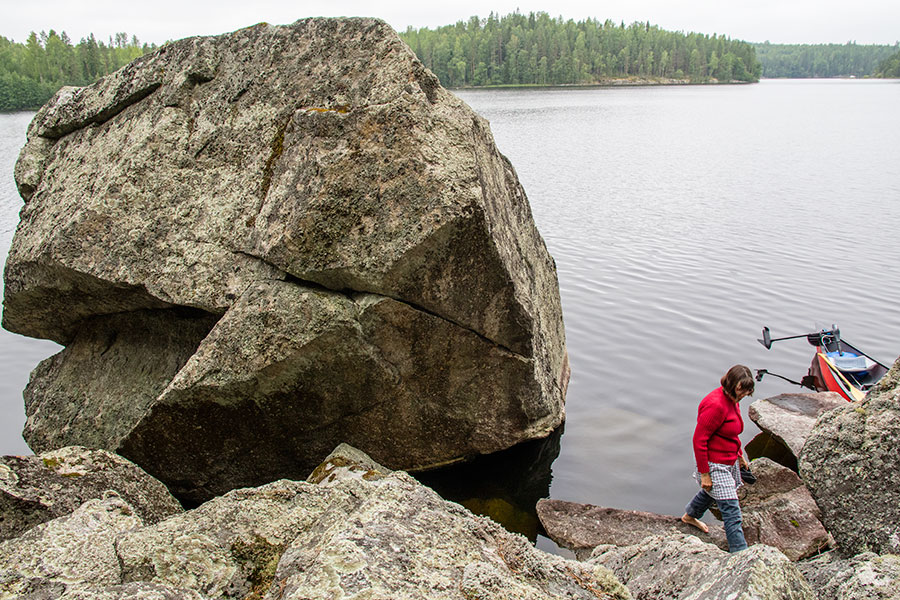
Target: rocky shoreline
x,y
288,241
87,524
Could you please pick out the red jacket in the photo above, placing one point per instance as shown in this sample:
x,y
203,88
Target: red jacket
x,y
719,423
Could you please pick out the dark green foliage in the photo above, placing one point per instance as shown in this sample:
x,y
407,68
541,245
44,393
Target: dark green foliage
x,y
889,67
537,49
821,60
30,73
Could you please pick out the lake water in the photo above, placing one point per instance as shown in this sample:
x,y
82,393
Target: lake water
x,y
682,220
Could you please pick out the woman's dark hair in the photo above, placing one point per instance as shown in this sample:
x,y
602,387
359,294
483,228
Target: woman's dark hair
x,y
737,378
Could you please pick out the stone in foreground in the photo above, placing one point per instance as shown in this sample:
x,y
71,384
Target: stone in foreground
x,y
849,464
362,531
681,567
36,489
582,527
291,232
865,576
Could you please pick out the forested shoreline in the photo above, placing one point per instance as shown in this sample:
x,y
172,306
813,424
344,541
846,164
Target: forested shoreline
x,y
516,49
30,73
889,67
537,49
800,61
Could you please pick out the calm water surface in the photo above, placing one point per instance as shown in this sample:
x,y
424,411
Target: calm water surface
x,y
682,220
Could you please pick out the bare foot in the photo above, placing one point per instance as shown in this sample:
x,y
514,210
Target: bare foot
x,y
695,522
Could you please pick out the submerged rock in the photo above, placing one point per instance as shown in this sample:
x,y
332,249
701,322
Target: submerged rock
x,y
582,527
360,529
849,464
681,567
36,489
317,242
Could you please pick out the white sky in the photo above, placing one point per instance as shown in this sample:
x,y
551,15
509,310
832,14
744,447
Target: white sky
x,y
779,21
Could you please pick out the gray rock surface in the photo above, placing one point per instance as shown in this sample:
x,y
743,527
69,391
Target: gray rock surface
x,y
319,163
36,489
779,511
74,551
361,530
788,419
681,567
582,527
866,576
849,464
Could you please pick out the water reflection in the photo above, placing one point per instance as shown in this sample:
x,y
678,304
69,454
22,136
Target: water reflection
x,y
505,486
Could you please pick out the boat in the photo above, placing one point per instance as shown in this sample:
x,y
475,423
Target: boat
x,y
837,365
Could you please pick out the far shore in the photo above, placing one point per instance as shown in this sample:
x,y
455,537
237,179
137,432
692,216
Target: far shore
x,y
629,82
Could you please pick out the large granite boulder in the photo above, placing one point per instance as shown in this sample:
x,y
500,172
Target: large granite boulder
x,y
786,421
257,245
355,529
36,489
582,527
681,567
849,464
779,511
866,576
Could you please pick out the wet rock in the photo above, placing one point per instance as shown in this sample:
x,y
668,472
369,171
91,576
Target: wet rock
x,y
849,464
681,567
866,576
36,489
779,511
319,164
786,420
582,527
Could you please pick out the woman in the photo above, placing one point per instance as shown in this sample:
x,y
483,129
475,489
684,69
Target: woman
x,y
717,450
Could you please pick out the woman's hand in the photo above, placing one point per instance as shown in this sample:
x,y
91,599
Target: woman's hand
x,y
706,481
743,461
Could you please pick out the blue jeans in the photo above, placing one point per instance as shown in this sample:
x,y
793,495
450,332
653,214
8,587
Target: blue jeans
x,y
731,516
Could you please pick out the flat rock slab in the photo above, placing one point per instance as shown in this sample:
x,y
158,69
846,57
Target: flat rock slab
x,y
582,527
36,489
790,417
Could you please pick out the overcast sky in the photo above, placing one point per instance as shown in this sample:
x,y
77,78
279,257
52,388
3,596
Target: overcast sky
x,y
779,21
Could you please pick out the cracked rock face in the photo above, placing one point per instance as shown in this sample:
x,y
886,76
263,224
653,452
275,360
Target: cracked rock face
x,y
258,245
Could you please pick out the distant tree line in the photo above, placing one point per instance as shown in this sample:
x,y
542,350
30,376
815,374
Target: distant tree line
x,y
821,60
889,67
538,49
30,73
